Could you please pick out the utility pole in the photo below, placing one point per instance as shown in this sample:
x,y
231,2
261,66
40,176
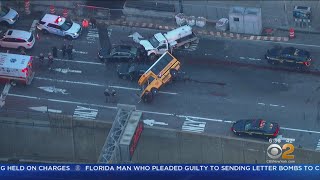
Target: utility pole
x,y
286,12
180,6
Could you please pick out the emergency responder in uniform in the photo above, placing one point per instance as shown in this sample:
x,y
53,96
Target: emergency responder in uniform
x,y
107,95
64,50
54,52
85,24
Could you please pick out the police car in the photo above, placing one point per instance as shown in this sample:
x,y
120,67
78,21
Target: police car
x,y
60,26
289,56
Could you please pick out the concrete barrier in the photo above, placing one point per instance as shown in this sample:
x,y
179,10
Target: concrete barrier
x,y
69,140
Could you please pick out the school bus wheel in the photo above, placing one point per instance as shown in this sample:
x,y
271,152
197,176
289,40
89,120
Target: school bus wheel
x,y
174,73
154,91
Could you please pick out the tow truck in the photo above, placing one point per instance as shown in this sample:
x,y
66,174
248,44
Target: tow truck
x,y
160,43
164,70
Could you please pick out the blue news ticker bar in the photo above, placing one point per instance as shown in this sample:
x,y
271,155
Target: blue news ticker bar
x,y
147,171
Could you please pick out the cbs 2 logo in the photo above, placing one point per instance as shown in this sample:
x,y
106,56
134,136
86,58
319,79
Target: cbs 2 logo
x,y
275,151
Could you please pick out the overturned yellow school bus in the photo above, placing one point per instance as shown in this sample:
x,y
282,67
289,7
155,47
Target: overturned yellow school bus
x,y
160,73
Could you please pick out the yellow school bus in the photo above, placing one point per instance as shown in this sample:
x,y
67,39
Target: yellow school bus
x,y
161,72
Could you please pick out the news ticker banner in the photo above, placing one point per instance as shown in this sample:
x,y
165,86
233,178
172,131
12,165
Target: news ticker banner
x,y
83,171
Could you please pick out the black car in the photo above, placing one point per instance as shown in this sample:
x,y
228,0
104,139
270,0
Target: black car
x,y
289,56
256,127
131,71
120,53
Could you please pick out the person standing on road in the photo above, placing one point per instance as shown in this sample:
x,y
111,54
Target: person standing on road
x,y
113,96
50,59
54,52
64,49
85,24
107,94
69,51
41,58
93,22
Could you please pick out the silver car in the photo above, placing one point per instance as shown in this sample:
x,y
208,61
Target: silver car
x,y
8,16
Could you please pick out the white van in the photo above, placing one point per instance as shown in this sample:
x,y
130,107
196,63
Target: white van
x,y
16,67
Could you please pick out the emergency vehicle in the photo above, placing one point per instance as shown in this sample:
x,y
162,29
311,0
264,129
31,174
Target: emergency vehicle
x,y
161,43
60,26
16,67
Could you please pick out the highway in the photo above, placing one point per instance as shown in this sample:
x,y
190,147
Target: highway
x,y
230,81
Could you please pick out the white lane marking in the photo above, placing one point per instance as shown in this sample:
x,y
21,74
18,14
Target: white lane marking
x,y
249,58
143,111
287,140
151,122
45,109
193,126
295,44
99,85
254,59
4,94
300,130
272,105
71,82
53,89
85,113
65,71
285,84
318,146
81,62
75,51
208,54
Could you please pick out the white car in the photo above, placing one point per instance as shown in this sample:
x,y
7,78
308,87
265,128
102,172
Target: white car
x,y
17,39
8,16
60,26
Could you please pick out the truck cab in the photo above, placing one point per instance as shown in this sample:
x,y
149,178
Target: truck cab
x,y
160,43
157,44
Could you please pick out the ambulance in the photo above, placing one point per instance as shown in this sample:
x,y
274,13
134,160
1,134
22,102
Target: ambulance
x,y
16,68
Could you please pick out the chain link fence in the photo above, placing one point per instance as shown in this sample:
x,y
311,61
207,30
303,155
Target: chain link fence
x,y
92,12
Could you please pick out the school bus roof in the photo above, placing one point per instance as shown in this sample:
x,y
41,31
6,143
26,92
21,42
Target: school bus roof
x,y
161,63
14,61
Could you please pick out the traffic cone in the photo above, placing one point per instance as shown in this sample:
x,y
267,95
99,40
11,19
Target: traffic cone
x,y
52,11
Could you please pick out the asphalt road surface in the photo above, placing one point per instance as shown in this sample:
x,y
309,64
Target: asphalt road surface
x,y
225,87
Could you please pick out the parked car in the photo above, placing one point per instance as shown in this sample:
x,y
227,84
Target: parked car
x,y
256,127
289,56
120,53
131,71
8,16
60,26
17,39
